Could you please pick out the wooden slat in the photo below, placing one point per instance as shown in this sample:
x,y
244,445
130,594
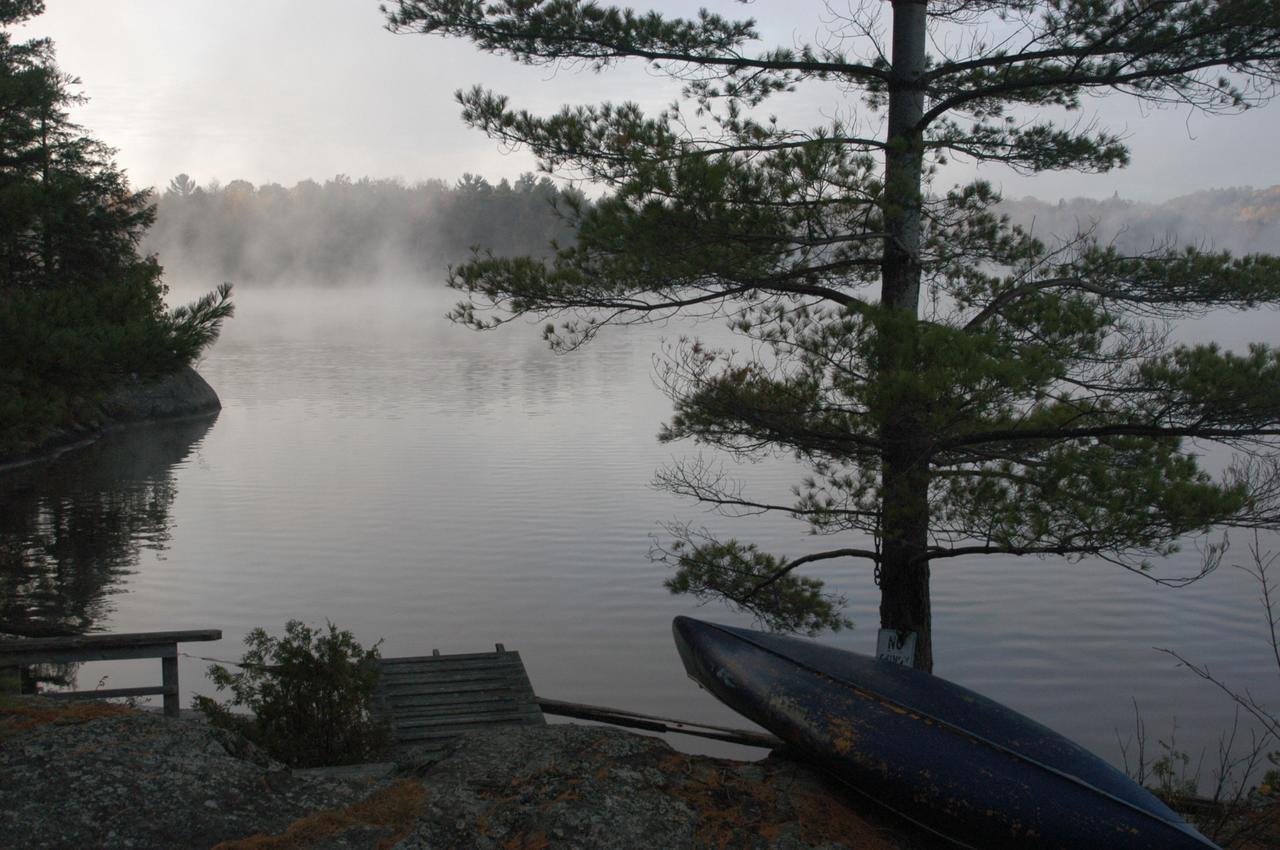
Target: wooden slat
x,y
413,734
430,699
459,676
446,675
114,641
106,693
462,656
444,721
426,688
438,702
472,692
169,678
409,712
444,662
412,706
26,658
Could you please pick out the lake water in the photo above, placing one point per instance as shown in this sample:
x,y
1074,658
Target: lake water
x,y
431,487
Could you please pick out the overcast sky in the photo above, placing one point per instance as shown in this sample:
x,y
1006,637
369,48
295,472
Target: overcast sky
x,y
284,90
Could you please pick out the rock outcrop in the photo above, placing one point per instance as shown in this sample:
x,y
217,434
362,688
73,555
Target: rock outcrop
x,y
592,788
180,394
184,393
94,775
91,775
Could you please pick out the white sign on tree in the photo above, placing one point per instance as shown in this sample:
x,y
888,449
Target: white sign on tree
x,y
898,647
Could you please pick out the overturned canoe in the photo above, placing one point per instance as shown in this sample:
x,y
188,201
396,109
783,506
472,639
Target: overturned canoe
x,y
965,767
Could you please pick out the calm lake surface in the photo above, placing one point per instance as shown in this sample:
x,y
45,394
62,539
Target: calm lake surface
x,y
432,487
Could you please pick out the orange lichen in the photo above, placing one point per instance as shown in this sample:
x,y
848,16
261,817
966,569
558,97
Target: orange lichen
x,y
16,716
674,763
537,841
731,806
825,818
394,808
726,805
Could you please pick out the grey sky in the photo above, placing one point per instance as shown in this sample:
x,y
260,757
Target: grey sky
x,y
288,89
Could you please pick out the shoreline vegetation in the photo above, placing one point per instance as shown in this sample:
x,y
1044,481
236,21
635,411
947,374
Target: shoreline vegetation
x,y
82,310
178,395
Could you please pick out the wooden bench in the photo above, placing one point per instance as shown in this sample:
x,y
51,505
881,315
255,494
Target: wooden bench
x,y
26,652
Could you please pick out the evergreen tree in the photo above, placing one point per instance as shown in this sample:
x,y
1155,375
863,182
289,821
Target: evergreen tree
x,y
69,214
956,385
80,308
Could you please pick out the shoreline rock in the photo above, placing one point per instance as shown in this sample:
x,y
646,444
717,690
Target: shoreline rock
x,y
98,775
182,394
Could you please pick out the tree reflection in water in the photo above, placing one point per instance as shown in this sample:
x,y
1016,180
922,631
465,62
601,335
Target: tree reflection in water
x,y
73,529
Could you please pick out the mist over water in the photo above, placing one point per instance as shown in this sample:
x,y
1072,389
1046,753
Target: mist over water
x,y
433,487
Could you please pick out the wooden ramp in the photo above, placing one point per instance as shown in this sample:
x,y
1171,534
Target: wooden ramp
x,y
432,698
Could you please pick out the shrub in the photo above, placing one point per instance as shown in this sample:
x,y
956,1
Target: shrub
x,y
310,693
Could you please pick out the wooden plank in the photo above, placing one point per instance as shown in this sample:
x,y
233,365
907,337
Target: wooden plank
x,y
478,686
512,675
426,695
398,706
107,640
447,703
442,701
106,693
454,720
452,661
489,710
461,677
169,679
466,676
26,658
462,656
412,734
434,670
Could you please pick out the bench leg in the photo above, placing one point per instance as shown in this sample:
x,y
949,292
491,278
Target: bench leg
x,y
169,679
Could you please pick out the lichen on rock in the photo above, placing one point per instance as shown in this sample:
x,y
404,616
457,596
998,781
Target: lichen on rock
x,y
98,776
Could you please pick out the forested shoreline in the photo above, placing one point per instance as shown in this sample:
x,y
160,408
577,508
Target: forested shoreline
x,y
1241,219
345,231
82,308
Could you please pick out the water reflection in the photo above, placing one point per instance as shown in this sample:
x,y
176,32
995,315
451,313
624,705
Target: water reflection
x,y
73,529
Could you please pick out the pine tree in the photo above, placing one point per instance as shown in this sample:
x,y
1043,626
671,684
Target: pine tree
x,y
69,214
956,385
80,307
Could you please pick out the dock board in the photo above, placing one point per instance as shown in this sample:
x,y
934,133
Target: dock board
x,y
429,699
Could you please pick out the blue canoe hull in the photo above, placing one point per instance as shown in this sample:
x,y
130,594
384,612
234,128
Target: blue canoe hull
x,y
963,766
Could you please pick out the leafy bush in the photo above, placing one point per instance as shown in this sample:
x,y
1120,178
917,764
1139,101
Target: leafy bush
x,y
310,694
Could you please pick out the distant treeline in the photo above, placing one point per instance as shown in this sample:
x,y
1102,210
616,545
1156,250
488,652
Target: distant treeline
x,y
1240,220
346,231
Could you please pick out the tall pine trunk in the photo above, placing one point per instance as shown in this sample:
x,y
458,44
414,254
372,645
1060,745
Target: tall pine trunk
x,y
904,567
